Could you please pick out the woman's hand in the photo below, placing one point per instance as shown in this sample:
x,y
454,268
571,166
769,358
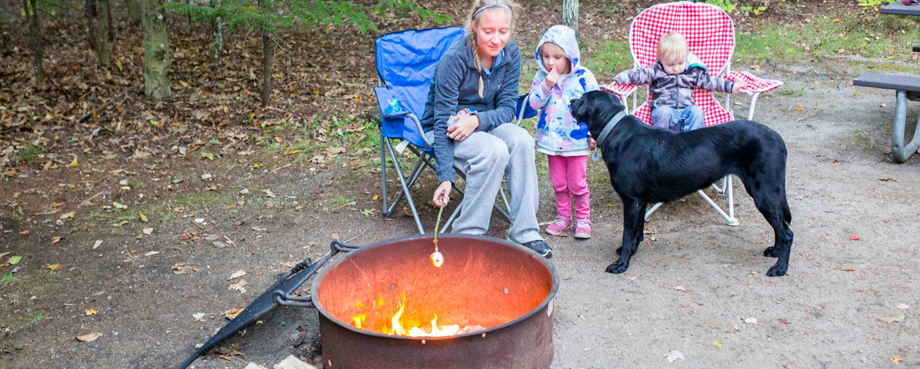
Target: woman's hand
x,y
464,127
442,194
592,144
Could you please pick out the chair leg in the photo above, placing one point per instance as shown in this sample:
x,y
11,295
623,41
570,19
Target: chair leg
x,y
731,220
405,188
413,177
648,213
383,174
731,199
753,104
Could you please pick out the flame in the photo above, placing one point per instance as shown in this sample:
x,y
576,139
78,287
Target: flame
x,y
396,324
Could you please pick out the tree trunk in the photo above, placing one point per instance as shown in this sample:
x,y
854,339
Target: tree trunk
x,y
35,35
89,11
156,50
103,47
217,26
570,14
189,16
266,60
108,16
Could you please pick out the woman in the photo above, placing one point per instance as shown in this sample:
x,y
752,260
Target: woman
x,y
481,75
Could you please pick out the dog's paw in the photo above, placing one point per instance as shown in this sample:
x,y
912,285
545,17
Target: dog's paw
x,y
617,267
777,270
771,252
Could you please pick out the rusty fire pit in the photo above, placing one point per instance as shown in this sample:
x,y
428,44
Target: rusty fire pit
x,y
501,291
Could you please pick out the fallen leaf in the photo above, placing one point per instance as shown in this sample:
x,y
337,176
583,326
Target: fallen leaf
x,y
896,359
335,150
237,274
2,254
24,232
207,155
887,179
854,238
680,288
871,337
799,108
90,311
151,253
836,20
291,362
716,344
54,266
269,193
674,356
292,152
74,163
849,270
751,320
376,197
14,260
181,268
784,321
198,316
903,306
297,208
206,176
67,216
55,240
893,318
236,286
142,217
232,313
89,337
148,230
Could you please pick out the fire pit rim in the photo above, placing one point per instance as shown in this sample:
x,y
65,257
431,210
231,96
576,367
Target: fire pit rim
x,y
314,289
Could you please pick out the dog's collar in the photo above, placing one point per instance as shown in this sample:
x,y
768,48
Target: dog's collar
x,y
610,124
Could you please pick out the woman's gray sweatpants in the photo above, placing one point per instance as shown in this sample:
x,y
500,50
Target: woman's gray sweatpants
x,y
485,157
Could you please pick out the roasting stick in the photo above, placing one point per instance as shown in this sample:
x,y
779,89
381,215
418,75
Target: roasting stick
x,y
436,258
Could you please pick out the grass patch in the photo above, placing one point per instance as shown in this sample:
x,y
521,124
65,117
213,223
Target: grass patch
x,y
29,156
7,278
204,198
341,200
35,318
610,58
793,91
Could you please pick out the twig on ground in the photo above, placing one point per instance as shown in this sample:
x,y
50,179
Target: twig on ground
x,y
358,235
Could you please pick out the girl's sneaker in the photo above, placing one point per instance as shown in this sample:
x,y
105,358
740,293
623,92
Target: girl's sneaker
x,y
559,225
583,228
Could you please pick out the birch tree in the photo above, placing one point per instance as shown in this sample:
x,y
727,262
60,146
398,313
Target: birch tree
x,y
156,50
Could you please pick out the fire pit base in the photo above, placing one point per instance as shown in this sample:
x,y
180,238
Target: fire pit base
x,y
527,345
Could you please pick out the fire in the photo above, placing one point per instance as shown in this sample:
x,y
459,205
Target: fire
x,y
396,325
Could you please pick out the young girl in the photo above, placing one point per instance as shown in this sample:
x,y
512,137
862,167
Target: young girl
x,y
566,143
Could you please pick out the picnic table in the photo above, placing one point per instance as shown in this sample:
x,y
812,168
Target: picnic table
x,y
906,87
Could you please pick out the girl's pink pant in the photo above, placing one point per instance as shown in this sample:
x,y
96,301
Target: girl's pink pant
x,y
569,176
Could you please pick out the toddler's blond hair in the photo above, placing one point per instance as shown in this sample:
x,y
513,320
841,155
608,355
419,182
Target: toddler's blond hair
x,y
673,46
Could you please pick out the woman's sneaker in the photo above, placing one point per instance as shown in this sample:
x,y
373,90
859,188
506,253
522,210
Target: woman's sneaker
x,y
583,228
540,247
559,225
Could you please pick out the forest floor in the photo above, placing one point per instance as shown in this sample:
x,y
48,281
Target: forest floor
x,y
132,223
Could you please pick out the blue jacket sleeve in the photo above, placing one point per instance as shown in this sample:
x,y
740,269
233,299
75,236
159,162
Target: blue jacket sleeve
x,y
507,96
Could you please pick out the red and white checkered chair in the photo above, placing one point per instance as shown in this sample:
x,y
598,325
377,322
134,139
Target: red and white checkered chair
x,y
710,34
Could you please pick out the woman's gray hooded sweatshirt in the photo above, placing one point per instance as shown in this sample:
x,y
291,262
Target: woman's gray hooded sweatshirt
x,y
455,86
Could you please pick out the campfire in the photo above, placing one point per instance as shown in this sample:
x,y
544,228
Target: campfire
x,y
398,321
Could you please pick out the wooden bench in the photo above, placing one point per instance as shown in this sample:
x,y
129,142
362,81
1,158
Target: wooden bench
x,y
907,88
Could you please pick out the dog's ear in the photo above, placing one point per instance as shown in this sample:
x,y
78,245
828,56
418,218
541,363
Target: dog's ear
x,y
577,107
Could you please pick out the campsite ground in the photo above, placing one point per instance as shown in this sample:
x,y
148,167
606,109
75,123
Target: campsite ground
x,y
692,288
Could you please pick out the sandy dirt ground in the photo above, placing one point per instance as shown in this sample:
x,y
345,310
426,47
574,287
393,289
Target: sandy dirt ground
x,y
693,287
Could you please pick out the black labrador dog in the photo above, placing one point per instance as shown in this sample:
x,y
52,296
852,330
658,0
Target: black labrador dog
x,y
650,165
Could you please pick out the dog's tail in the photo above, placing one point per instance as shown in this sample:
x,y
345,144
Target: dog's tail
x,y
787,215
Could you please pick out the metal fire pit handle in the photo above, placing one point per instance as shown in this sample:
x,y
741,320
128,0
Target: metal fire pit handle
x,y
276,294
288,299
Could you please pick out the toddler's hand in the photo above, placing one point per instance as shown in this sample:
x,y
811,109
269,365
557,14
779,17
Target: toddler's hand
x,y
551,78
592,144
739,85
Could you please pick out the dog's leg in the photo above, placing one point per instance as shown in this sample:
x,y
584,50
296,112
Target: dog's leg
x,y
633,221
770,201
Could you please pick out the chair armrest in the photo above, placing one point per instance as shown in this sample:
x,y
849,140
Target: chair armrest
x,y
619,89
754,84
398,114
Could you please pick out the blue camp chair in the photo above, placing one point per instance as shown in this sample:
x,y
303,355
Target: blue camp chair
x,y
406,62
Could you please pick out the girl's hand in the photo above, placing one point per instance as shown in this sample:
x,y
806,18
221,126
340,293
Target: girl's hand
x,y
738,85
551,79
442,194
592,144
464,127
